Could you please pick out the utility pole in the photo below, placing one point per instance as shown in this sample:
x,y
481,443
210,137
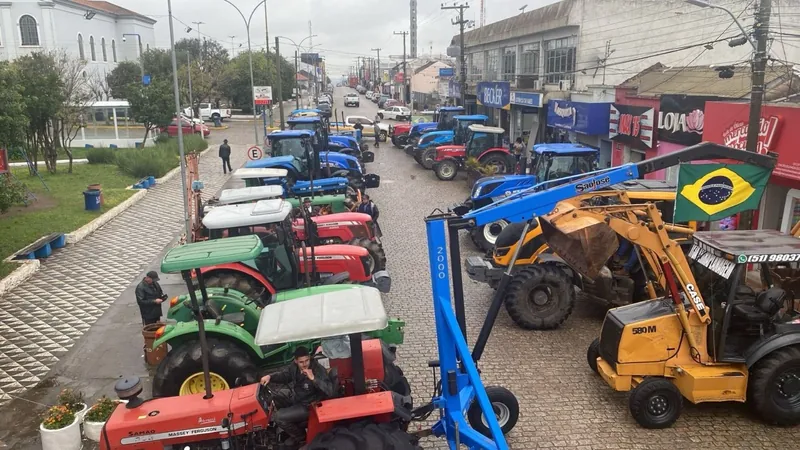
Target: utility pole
x,y
189,73
280,92
266,26
378,75
406,94
296,84
462,57
231,45
760,32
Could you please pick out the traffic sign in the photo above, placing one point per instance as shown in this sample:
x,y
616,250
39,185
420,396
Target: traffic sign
x,y
255,153
262,95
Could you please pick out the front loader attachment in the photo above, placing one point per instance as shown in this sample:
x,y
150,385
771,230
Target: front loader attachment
x,y
584,243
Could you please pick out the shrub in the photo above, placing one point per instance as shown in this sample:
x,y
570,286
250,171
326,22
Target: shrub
x,y
57,417
488,170
472,163
72,400
101,410
152,161
162,138
12,192
193,143
101,156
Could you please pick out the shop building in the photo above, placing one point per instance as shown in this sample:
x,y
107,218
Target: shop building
x,y
580,123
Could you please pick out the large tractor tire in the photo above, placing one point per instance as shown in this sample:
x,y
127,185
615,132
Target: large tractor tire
x,y
376,253
485,236
181,372
505,406
655,403
773,390
446,170
237,281
500,162
365,436
427,158
540,297
592,353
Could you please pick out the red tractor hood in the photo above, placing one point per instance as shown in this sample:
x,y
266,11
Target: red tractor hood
x,y
335,218
450,151
401,128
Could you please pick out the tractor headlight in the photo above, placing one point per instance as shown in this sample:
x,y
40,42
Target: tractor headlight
x,y
477,191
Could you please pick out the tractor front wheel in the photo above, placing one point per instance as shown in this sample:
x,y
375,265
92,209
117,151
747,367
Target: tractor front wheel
x,y
427,158
540,297
446,170
655,403
365,436
181,372
505,406
774,387
592,354
499,162
375,250
485,236
238,282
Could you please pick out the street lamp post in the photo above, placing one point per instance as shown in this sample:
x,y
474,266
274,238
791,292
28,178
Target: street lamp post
x,y
250,57
139,38
298,50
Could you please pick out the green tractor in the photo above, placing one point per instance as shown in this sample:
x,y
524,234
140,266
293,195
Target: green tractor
x,y
230,320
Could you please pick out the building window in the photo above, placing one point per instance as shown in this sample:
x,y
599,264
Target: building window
x,y
559,59
81,53
528,66
91,48
114,50
476,66
509,63
28,30
492,64
103,49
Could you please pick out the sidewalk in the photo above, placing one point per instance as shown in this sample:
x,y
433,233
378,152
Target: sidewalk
x,y
42,319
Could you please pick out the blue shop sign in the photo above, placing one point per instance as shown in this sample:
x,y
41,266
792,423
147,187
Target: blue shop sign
x,y
532,99
584,118
494,94
446,72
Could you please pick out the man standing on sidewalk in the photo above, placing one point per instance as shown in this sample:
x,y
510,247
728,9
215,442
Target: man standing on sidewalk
x,y
149,297
225,154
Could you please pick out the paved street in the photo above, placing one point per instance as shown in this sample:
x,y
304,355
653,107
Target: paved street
x,y
563,403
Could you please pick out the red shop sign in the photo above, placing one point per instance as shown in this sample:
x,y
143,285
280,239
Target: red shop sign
x,y
727,124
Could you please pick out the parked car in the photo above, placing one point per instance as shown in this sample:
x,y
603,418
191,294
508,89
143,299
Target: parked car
x,y
369,95
368,124
352,100
395,113
208,111
187,127
382,100
392,102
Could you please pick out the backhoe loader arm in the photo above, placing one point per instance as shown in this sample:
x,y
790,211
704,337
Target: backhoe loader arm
x,y
534,202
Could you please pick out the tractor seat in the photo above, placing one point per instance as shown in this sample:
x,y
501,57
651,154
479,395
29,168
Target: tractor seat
x,y
236,318
766,305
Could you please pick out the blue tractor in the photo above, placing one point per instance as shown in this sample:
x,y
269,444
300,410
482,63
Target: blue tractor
x,y
444,120
338,143
425,150
550,162
332,173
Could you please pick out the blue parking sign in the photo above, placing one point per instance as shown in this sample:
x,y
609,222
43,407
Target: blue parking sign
x,y
146,80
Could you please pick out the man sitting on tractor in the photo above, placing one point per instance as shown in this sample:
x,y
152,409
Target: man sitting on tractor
x,y
306,382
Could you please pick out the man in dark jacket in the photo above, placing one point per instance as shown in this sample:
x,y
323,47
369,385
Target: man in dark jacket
x,y
149,297
225,154
368,207
307,382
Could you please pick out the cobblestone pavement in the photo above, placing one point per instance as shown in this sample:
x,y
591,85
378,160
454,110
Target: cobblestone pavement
x,y
563,404
41,320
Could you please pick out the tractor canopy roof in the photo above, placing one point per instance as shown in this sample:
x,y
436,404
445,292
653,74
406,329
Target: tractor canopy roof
x,y
563,149
477,128
213,252
747,246
304,110
472,117
322,315
291,134
451,108
246,173
249,194
247,214
292,294
312,119
320,200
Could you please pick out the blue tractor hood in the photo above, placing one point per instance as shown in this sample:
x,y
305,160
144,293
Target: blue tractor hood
x,y
346,141
273,162
500,186
422,127
339,160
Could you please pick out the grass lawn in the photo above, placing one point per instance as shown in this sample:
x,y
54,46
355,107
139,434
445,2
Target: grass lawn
x,y
62,208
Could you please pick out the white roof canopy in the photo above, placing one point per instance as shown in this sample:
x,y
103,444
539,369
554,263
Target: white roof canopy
x,y
247,214
248,194
322,315
249,172
484,129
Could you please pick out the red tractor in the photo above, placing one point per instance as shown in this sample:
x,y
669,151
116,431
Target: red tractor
x,y
399,134
484,143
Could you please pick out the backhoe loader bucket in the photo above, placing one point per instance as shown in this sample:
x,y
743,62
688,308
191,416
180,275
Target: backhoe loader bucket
x,y
582,242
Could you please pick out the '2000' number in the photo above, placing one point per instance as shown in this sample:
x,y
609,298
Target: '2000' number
x,y
441,263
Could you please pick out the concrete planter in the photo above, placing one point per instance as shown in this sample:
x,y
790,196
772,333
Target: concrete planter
x,y
82,412
92,430
67,438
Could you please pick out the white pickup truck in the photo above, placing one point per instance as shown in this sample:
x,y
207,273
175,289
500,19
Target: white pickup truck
x,y
207,111
368,125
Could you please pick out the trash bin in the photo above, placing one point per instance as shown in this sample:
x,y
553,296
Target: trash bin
x,y
217,121
99,188
153,356
91,200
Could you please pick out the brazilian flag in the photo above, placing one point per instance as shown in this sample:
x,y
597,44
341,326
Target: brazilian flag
x,y
708,192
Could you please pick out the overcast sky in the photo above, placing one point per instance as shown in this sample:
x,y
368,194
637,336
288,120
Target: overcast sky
x,y
346,29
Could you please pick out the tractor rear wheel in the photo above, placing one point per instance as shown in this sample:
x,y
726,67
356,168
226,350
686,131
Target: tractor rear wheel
x,y
592,354
178,372
774,387
540,297
655,403
485,236
427,158
446,170
499,162
375,250
505,406
365,436
243,283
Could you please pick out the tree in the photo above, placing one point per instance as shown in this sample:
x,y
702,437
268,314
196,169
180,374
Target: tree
x,y
99,87
208,59
76,95
125,74
13,113
236,78
151,105
158,64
